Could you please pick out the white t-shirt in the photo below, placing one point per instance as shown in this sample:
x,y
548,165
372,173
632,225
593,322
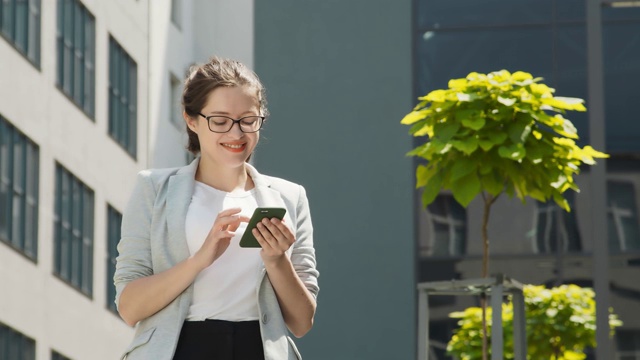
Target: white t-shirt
x,y
226,290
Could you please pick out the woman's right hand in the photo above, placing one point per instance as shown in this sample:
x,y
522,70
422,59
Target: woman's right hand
x,y
219,237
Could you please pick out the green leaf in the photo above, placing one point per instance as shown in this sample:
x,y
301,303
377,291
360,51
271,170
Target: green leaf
x,y
414,116
462,167
492,184
468,146
431,190
475,123
466,188
506,101
513,152
445,131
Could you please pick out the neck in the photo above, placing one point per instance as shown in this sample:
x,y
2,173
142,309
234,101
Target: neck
x,y
223,178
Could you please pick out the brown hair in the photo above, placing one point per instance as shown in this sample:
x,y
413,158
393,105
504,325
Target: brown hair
x,y
205,78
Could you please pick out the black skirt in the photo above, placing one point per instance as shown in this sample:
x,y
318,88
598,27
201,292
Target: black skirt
x,y
220,340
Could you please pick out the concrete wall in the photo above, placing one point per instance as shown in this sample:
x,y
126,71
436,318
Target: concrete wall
x,y
338,77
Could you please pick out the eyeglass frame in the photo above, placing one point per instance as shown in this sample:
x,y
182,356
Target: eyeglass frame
x,y
233,122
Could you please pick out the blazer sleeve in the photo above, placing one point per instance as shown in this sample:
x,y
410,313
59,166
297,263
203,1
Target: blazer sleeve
x,y
134,249
303,255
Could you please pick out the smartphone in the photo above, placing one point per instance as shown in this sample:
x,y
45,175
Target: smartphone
x,y
248,240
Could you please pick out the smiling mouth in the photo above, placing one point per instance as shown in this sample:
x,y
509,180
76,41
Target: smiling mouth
x,y
234,147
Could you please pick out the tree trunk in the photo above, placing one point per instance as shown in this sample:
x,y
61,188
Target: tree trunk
x,y
488,201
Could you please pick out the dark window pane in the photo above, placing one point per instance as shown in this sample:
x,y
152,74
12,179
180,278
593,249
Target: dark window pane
x,y
18,156
122,98
448,222
622,216
620,13
76,50
74,231
461,13
444,55
114,222
570,72
621,43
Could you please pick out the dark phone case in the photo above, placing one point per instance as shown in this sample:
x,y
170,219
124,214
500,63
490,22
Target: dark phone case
x,y
248,240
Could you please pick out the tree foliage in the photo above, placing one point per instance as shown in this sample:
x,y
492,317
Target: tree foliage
x,y
494,133
560,324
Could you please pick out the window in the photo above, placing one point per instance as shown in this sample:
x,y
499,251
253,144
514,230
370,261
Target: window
x,y
14,345
447,223
122,97
57,356
19,161
76,54
20,25
622,217
175,111
176,13
628,344
555,228
114,221
73,231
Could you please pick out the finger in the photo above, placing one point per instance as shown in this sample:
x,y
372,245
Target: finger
x,y
234,226
229,211
284,229
263,243
266,234
227,222
273,229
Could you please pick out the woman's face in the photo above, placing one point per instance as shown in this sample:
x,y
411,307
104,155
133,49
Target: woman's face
x,y
230,149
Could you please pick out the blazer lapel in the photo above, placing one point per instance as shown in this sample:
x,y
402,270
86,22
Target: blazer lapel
x,y
179,192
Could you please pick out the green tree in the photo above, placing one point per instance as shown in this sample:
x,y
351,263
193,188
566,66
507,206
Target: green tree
x,y
489,134
561,323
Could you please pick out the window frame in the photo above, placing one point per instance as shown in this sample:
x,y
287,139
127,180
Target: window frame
x,y
123,98
31,25
73,237
75,54
20,190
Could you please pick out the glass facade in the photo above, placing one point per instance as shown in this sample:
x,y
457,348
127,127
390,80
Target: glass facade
x,y
76,54
123,98
19,168
20,25
536,242
73,231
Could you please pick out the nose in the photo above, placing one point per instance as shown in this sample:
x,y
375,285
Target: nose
x,y
236,131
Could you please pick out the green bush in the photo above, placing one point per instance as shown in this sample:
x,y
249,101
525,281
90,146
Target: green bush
x,y
560,324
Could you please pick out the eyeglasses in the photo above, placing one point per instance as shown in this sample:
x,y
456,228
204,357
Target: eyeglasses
x,y
223,124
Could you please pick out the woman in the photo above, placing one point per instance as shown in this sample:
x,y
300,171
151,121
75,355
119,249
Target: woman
x,y
181,276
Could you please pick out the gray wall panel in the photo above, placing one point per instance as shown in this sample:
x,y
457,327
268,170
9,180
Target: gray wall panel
x,y
338,76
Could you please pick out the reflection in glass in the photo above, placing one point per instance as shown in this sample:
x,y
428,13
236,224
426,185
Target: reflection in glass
x,y
449,222
622,217
555,228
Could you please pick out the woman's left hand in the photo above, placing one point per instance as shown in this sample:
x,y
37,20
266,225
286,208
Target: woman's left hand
x,y
275,237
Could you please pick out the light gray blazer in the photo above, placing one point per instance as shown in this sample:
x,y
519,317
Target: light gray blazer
x,y
153,240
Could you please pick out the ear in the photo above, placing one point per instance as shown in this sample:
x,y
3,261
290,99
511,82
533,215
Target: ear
x,y
191,122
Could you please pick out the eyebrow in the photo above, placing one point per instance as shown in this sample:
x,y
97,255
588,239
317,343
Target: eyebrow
x,y
228,114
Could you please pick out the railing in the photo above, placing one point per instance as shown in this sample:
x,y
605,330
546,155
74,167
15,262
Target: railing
x,y
496,287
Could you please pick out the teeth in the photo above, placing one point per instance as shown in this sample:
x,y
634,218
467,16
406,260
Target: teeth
x,y
233,146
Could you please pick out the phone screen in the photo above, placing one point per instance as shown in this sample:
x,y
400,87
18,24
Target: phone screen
x,y
248,240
